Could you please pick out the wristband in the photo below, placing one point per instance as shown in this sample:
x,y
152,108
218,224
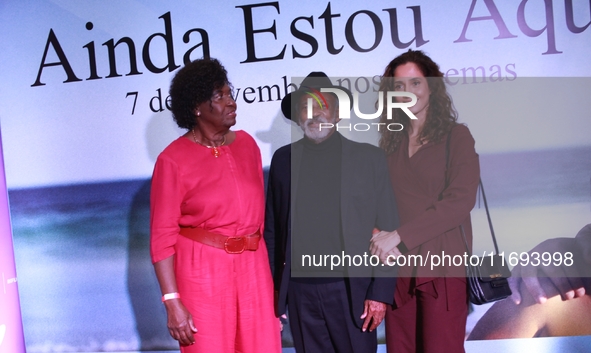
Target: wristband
x,y
169,296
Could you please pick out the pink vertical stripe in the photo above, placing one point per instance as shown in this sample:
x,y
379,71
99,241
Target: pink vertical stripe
x,y
11,325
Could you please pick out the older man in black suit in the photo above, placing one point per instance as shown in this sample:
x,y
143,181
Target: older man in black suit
x,y
325,196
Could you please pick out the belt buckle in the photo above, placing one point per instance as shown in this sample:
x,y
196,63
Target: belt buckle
x,y
235,245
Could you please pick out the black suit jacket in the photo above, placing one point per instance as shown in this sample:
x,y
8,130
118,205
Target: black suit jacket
x,y
367,202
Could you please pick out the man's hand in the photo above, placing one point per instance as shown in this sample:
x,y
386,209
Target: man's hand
x,y
282,321
373,312
384,244
565,280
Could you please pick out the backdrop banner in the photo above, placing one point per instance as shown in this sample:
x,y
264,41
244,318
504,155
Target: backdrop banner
x,y
85,111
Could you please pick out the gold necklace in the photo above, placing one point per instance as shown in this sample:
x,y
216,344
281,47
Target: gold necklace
x,y
214,149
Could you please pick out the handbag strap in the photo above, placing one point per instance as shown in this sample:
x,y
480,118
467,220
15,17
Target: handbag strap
x,y
490,226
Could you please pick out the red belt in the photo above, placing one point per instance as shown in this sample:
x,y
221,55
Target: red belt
x,y
232,245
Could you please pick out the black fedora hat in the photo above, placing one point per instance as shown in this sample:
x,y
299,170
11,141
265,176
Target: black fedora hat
x,y
314,81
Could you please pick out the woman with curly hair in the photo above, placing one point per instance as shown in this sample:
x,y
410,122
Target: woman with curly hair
x,y
434,198
206,214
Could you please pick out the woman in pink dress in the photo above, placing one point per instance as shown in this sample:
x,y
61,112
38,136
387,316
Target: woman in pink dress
x,y
431,303
206,214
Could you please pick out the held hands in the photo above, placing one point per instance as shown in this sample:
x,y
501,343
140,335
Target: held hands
x,y
180,322
565,279
384,244
373,312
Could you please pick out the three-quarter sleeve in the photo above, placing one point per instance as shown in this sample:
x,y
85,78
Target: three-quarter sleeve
x,y
192,188
165,209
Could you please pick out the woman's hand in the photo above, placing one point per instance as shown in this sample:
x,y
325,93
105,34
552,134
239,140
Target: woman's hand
x,y
384,244
180,322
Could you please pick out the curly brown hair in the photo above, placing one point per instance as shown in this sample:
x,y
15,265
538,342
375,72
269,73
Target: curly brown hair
x,y
441,114
192,85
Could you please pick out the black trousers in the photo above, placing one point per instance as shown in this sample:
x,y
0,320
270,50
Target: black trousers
x,y
321,321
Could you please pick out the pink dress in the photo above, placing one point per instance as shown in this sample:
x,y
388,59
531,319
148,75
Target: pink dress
x,y
230,296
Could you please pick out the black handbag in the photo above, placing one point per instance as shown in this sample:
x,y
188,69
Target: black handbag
x,y
486,277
